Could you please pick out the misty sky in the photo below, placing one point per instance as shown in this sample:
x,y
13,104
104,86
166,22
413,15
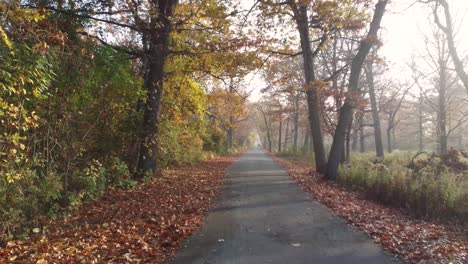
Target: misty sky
x,y
403,29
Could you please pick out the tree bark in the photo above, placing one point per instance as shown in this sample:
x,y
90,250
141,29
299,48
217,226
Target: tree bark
x,y
375,112
230,132
347,144
442,113
346,111
296,122
420,122
153,84
354,141
389,139
362,139
306,140
156,50
286,135
301,17
267,129
279,134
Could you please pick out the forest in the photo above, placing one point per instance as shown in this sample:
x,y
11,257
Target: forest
x,y
108,103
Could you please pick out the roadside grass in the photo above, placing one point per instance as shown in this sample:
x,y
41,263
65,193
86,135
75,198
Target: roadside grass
x,y
425,186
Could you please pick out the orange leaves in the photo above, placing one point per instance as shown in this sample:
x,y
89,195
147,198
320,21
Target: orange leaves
x,y
415,241
317,84
143,225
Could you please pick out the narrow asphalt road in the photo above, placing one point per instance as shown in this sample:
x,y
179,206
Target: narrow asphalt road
x,y
263,217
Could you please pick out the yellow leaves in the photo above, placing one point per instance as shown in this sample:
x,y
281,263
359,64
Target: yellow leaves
x,y
13,152
35,91
5,39
41,261
36,16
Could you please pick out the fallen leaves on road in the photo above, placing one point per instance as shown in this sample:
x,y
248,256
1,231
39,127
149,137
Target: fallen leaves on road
x,y
414,240
143,225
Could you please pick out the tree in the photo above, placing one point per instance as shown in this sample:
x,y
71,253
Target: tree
x,y
369,70
322,19
391,107
267,126
449,33
346,111
442,97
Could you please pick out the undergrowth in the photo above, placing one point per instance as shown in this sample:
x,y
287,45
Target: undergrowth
x,y
426,185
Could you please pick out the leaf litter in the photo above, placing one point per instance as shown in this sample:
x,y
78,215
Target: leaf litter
x,y
143,225
413,240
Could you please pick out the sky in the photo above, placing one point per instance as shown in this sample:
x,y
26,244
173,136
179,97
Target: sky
x,y
403,29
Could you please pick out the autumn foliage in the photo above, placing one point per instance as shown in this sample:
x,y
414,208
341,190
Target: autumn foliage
x,y
146,224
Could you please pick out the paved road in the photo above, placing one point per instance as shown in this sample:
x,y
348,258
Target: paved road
x,y
263,217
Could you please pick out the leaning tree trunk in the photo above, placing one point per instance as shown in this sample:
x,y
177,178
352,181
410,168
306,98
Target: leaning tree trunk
x,y
448,30
301,17
375,112
346,111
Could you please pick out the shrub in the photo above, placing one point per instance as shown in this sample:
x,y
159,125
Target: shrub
x,y
436,190
93,180
26,193
117,172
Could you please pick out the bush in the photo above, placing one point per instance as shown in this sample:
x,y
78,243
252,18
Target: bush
x,y
435,190
25,194
117,172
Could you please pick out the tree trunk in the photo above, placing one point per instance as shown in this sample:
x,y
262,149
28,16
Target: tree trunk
x,y
267,130
420,122
337,149
362,139
301,17
153,84
296,122
347,144
389,139
156,50
346,111
354,142
230,133
375,112
306,140
286,135
442,113
279,134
